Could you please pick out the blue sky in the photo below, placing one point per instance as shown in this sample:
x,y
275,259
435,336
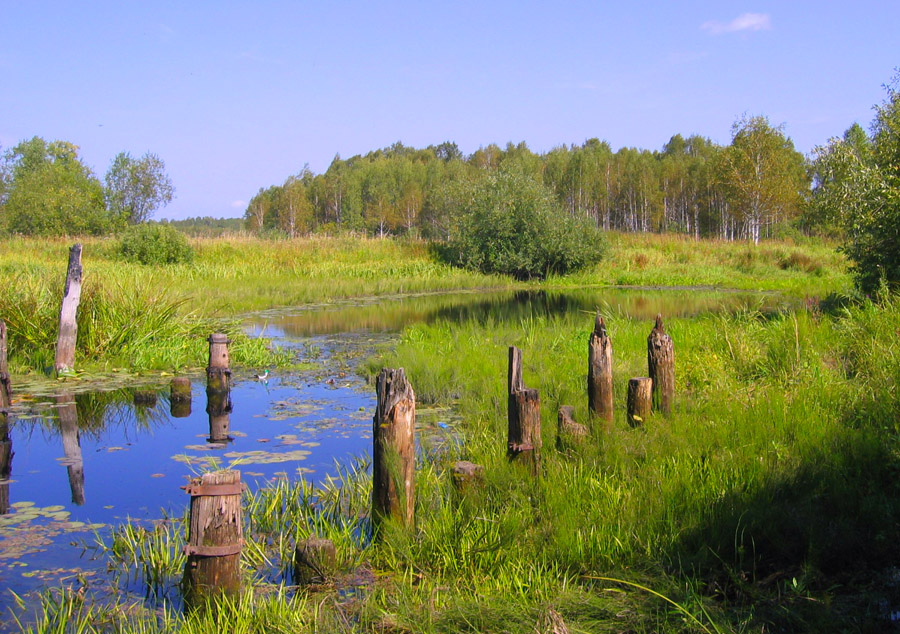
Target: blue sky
x,y
237,96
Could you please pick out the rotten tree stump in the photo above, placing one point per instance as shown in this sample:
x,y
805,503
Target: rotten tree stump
x,y
315,560
639,400
600,379
215,537
68,326
393,449
569,433
6,451
661,367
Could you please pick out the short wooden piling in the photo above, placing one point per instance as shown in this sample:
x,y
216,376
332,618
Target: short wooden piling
x,y
218,372
393,449
600,380
523,433
569,433
661,367
215,537
466,475
180,397
639,400
315,560
68,326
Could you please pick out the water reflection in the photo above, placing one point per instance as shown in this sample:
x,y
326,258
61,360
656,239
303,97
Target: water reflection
x,y
393,313
6,456
67,411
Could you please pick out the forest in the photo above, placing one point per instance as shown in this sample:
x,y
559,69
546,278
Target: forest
x,y
756,186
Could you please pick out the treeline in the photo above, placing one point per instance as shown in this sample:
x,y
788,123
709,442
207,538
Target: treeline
x,y
46,190
744,190
205,226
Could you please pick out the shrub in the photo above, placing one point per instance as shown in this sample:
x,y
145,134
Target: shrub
x,y
155,244
511,225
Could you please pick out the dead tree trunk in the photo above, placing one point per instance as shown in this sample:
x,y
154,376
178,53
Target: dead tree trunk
x,y
68,326
215,537
639,400
393,449
600,384
661,365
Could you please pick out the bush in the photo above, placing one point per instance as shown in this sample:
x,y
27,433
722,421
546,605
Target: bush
x,y
511,225
155,244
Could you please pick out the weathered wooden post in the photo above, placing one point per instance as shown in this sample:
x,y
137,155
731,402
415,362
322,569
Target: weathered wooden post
x,y
523,435
393,449
639,400
569,433
600,384
180,397
6,452
68,313
315,560
215,537
68,429
218,372
661,367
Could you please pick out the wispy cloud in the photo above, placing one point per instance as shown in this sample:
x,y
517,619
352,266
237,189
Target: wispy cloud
x,y
238,204
165,32
744,22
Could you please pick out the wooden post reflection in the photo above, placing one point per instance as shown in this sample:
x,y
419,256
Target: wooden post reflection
x,y
6,452
180,397
218,406
68,427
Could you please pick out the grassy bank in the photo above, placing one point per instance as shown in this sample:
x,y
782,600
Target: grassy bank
x,y
768,501
150,317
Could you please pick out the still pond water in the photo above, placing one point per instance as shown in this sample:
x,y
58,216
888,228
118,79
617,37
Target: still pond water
x,y
89,459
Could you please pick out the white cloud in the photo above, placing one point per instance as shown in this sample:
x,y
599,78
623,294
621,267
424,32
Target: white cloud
x,y
238,204
744,22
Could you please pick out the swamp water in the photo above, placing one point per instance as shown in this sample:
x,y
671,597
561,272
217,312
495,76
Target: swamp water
x,y
89,456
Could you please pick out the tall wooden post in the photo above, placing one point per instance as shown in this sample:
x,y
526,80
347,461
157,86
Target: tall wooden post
x,y
393,449
180,397
600,383
639,400
215,537
68,429
661,365
6,452
523,431
68,326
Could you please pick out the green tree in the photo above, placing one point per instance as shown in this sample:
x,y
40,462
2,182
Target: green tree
x,y
50,191
135,188
859,184
513,226
763,176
